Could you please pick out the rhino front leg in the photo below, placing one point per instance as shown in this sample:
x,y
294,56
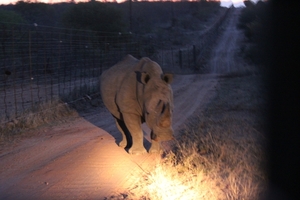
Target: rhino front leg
x,y
133,123
155,147
122,128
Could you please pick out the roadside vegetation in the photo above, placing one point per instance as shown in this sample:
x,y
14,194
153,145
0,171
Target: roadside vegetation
x,y
94,16
10,18
255,21
47,113
221,152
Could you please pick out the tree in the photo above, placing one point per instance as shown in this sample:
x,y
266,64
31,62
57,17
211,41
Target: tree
x,y
93,16
40,13
8,21
10,18
255,20
248,3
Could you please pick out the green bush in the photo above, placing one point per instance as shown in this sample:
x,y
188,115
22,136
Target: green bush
x,y
8,22
94,16
39,13
255,21
10,17
247,16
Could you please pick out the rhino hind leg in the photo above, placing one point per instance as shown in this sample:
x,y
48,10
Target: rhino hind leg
x,y
133,123
155,147
126,137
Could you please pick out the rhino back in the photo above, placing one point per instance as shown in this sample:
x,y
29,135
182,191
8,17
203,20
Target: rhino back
x,y
115,84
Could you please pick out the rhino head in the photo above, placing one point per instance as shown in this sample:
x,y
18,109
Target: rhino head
x,y
158,105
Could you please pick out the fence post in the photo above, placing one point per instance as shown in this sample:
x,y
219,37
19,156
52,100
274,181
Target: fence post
x,y
14,71
50,65
180,58
59,67
173,64
30,67
194,55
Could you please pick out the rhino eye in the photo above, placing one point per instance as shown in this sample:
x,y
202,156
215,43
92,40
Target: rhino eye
x,y
163,108
160,106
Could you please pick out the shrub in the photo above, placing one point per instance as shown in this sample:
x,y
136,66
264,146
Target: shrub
x,y
40,13
247,16
8,22
93,16
255,20
10,18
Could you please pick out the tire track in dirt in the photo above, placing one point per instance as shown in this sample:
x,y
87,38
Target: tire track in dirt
x,y
224,57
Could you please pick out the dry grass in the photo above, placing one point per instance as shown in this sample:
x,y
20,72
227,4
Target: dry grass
x,y
41,114
220,155
233,164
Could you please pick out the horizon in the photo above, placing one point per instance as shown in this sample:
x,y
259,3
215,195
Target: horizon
x,y
224,3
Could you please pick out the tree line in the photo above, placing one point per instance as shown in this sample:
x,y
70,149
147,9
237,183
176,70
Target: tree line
x,y
255,21
95,16
105,16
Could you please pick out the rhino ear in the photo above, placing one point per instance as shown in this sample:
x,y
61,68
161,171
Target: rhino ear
x,y
142,77
168,78
145,77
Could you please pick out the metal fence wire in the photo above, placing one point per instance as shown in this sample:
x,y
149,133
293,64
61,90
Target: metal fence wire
x,y
40,64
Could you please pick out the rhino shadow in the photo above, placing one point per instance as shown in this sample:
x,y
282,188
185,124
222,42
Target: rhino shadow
x,y
91,108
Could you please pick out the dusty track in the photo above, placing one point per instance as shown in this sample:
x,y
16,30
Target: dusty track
x,y
81,160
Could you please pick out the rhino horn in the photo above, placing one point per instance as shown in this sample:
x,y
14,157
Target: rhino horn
x,y
165,118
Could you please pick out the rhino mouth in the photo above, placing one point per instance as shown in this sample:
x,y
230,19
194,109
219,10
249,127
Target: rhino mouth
x,y
154,136
161,137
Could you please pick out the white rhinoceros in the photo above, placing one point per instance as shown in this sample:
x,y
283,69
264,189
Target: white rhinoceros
x,y
136,91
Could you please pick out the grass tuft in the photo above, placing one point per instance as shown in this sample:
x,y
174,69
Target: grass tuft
x,y
41,114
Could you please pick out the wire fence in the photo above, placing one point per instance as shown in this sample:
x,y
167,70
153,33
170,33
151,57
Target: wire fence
x,y
41,64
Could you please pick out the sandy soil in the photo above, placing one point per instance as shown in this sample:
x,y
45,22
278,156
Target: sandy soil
x,y
81,160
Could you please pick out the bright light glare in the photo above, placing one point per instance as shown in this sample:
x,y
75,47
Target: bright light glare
x,y
168,188
166,182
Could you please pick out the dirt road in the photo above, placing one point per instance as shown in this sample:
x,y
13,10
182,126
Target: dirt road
x,y
81,160
224,57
